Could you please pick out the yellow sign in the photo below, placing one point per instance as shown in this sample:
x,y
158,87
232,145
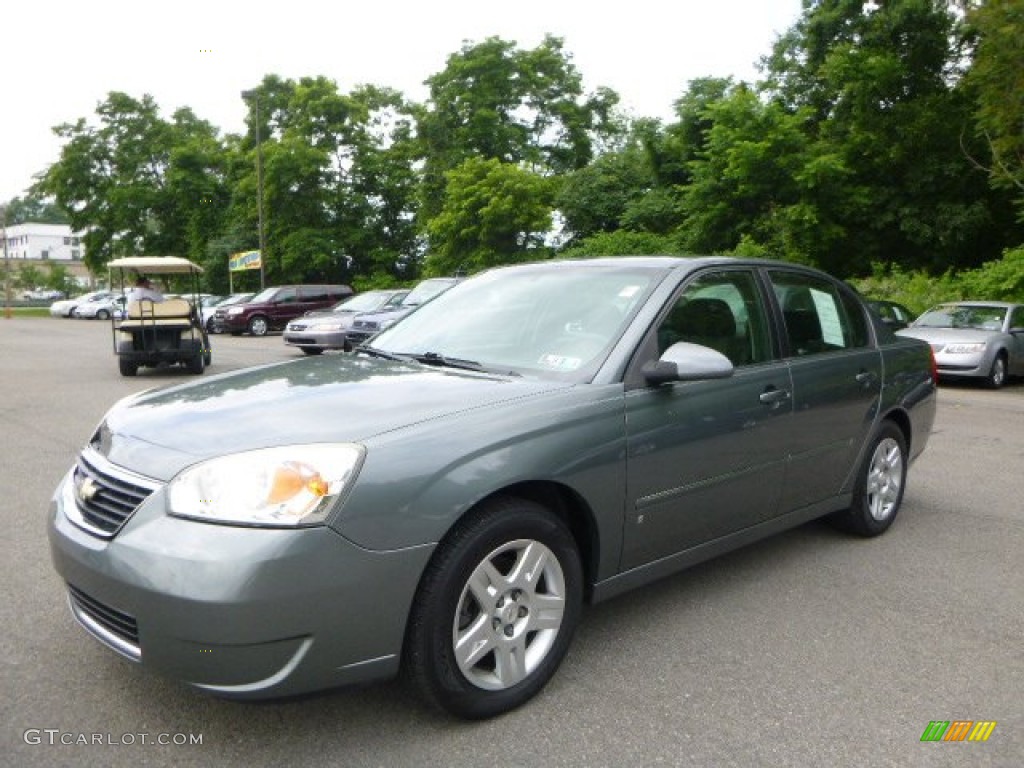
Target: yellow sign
x,y
239,262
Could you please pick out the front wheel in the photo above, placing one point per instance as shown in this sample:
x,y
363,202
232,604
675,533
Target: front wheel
x,y
127,367
997,375
311,350
496,609
258,326
879,491
102,314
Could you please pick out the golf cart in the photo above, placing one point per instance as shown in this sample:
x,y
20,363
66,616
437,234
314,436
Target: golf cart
x,y
148,332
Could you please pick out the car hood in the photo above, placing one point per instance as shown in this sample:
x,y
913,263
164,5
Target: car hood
x,y
306,401
384,314
948,335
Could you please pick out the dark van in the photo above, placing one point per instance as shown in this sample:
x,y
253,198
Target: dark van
x,y
272,308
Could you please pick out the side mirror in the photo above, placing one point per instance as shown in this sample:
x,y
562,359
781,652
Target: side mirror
x,y
684,361
1017,329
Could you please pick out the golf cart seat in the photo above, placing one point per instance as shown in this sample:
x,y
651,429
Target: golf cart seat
x,y
169,314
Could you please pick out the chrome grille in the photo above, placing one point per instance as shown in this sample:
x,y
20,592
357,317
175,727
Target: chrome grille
x,y
112,627
105,496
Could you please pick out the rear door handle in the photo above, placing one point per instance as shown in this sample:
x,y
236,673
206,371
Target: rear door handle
x,y
866,378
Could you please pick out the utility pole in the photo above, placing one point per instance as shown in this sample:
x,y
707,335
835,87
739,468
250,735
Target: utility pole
x,y
7,265
254,94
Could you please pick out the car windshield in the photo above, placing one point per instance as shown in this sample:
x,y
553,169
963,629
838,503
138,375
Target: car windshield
x,y
553,323
427,290
361,303
963,316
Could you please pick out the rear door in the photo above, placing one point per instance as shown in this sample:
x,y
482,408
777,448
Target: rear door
x,y
836,379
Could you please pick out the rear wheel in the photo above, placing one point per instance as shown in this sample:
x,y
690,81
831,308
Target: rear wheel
x,y
311,350
258,325
196,364
496,609
102,314
879,491
127,367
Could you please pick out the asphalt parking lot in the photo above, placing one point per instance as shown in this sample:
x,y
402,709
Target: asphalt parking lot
x,y
809,649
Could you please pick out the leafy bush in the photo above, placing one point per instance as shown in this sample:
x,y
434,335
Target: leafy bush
x,y
1000,280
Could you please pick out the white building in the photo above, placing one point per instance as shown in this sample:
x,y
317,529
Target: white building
x,y
43,242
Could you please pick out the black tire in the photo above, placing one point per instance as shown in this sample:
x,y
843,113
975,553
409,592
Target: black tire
x,y
127,367
880,482
516,629
997,375
236,333
102,314
258,325
209,326
311,350
196,364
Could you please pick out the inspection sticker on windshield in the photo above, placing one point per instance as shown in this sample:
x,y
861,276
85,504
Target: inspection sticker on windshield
x,y
559,362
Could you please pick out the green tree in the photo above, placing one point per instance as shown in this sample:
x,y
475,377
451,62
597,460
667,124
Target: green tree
x,y
878,91
28,277
36,209
998,85
496,101
494,213
136,183
340,183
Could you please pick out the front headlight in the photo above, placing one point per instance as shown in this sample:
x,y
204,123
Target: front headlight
x,y
234,310
290,486
963,349
385,324
326,327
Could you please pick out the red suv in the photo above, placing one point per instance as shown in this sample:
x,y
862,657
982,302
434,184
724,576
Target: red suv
x,y
272,308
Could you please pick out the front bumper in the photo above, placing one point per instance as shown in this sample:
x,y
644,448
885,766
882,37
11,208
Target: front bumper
x,y
241,612
977,365
312,338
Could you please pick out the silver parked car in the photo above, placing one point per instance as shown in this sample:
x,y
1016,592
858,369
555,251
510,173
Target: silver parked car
x,y
328,328
974,339
444,499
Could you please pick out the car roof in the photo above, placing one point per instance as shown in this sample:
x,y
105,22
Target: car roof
x,y
994,304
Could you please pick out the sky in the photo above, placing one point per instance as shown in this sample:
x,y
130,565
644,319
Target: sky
x,y
59,59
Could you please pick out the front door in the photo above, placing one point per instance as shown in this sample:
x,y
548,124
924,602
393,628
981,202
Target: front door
x,y
705,459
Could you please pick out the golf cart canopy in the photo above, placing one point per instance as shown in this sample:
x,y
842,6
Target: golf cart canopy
x,y
155,265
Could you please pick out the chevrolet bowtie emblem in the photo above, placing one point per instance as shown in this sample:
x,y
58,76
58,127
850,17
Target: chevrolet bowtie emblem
x,y
87,490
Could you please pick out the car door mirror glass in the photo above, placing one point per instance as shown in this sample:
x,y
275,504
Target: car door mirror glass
x,y
684,361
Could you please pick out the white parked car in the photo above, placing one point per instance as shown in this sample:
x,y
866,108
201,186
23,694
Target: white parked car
x,y
101,309
65,307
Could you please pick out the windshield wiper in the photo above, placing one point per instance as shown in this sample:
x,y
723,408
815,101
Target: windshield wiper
x,y
443,361
374,352
436,358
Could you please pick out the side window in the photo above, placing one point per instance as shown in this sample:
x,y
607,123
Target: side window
x,y
721,310
286,296
819,317
1017,318
314,293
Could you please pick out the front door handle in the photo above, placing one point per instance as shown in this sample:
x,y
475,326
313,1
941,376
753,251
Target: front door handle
x,y
774,397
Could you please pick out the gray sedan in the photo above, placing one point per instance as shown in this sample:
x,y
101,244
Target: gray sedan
x,y
443,501
974,339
